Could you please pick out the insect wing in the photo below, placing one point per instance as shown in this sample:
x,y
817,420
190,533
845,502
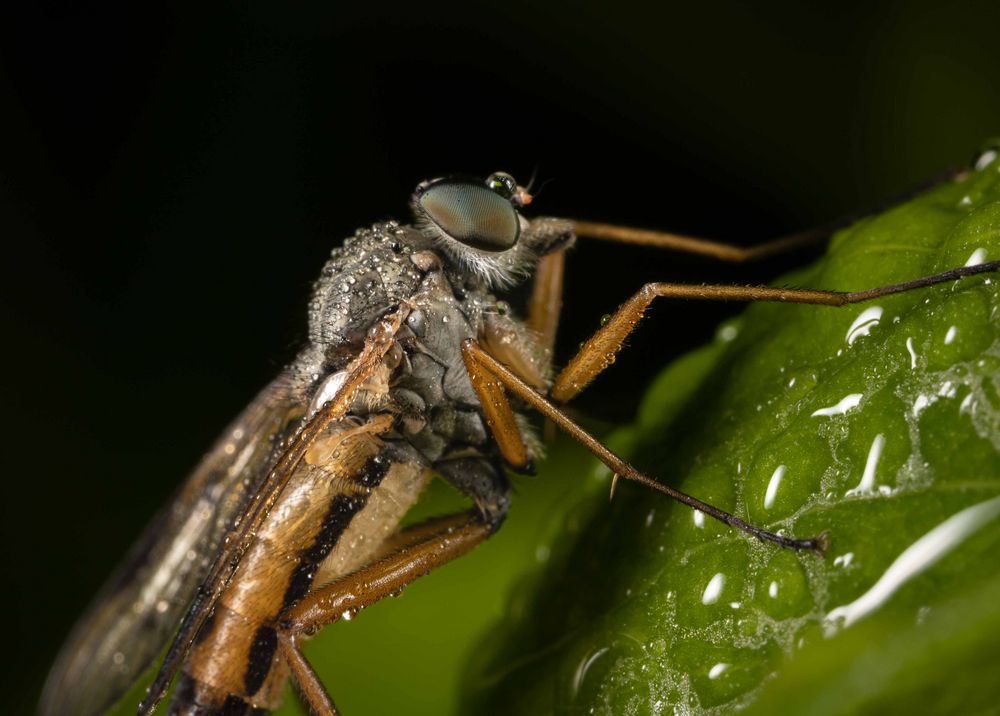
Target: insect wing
x,y
138,609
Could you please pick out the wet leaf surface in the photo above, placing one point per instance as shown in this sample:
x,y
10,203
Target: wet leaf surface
x,y
879,428
878,423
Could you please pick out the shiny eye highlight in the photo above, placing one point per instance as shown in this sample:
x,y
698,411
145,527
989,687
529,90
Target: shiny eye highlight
x,y
474,214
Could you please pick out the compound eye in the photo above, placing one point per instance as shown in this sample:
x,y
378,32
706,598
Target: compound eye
x,y
503,184
472,214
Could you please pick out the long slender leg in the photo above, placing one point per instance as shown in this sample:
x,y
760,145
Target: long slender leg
x,y
423,549
600,349
703,247
474,354
546,298
730,252
498,414
379,340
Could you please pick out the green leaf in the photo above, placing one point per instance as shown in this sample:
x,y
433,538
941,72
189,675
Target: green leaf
x,y
877,423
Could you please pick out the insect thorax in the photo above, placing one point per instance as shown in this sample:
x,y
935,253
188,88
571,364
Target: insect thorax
x,y
424,383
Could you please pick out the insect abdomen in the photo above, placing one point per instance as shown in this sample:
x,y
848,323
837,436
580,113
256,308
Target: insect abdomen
x,y
336,511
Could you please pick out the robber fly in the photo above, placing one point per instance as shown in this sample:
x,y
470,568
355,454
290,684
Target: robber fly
x,y
290,522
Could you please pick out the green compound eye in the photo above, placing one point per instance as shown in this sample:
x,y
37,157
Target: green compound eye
x,y
476,215
503,184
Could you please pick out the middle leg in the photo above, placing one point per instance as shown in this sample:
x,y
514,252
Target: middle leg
x,y
480,361
600,349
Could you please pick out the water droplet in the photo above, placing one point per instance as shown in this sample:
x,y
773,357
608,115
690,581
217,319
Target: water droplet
x,y
714,589
728,333
584,667
772,486
985,159
920,403
978,257
913,353
716,671
848,402
843,560
920,555
864,323
867,484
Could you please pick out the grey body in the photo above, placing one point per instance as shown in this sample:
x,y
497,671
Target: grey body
x,y
448,292
371,274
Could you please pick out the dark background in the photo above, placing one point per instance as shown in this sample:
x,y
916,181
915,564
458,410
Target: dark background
x,y
171,181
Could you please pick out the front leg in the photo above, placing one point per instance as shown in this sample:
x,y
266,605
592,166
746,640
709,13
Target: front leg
x,y
492,392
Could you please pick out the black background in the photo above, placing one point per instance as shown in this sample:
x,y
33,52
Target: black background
x,y
171,181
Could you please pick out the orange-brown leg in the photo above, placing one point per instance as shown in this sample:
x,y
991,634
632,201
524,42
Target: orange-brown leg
x,y
497,412
702,247
737,254
546,298
420,550
600,349
475,355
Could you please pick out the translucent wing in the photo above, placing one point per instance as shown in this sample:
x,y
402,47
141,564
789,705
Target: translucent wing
x,y
139,608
